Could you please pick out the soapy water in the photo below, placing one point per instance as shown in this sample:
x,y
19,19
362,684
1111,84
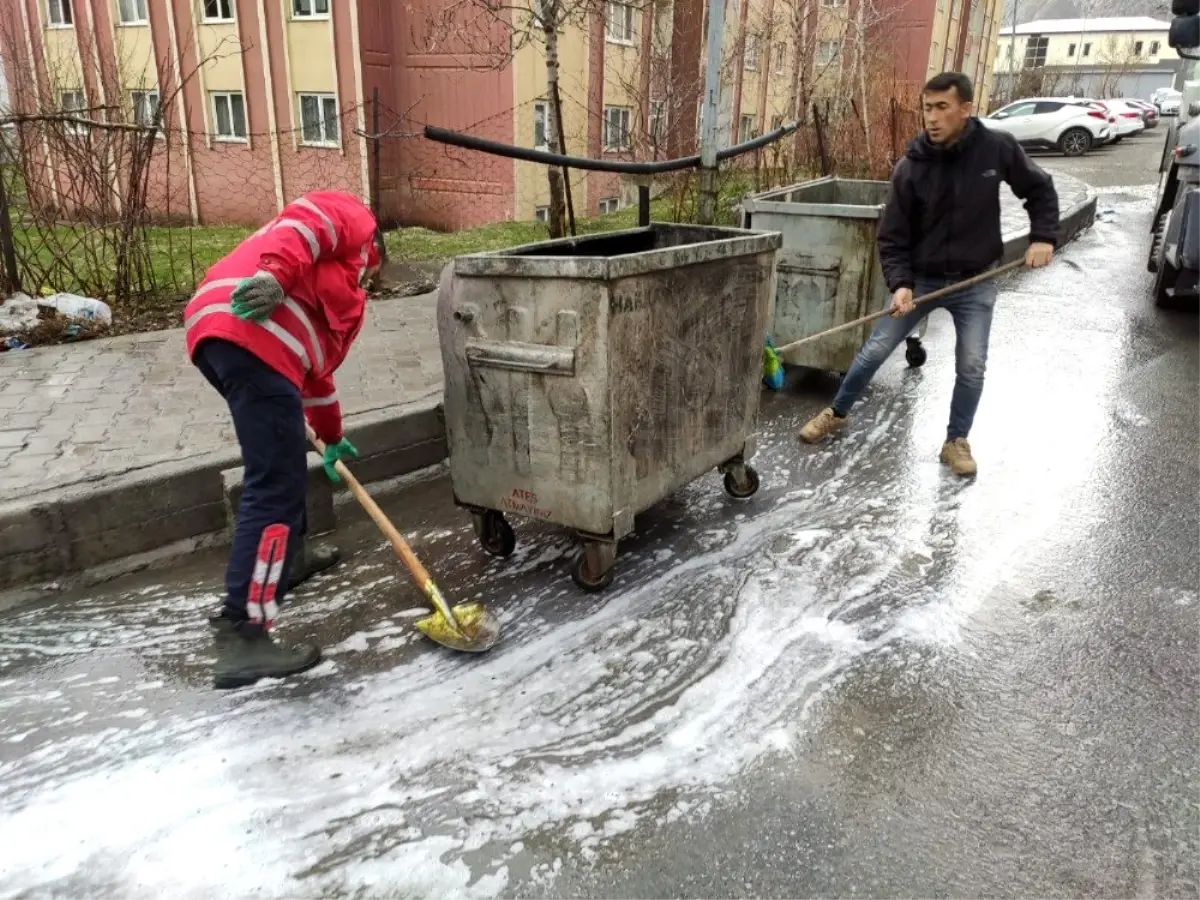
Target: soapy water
x,y
423,773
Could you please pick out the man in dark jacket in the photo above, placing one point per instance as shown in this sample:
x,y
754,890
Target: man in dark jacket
x,y
941,225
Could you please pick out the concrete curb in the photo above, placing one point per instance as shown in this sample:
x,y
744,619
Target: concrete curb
x,y
89,525
93,526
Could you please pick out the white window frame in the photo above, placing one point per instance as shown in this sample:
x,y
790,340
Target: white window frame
x,y
228,96
137,97
837,3
59,14
74,128
836,50
781,58
221,5
750,61
325,140
618,23
541,214
621,112
1155,46
306,10
541,109
140,12
608,205
747,127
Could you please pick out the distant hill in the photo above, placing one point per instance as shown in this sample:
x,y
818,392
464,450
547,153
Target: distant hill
x,y
1028,10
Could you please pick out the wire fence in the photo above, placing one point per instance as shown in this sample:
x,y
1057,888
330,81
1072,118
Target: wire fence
x,y
134,214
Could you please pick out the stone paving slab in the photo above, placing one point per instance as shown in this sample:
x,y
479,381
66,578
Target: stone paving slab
x,y
84,411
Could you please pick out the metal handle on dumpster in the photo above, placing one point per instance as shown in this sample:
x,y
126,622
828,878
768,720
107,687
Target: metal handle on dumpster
x,y
516,356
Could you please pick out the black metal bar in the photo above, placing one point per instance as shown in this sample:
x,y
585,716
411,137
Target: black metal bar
x,y
643,205
12,275
470,142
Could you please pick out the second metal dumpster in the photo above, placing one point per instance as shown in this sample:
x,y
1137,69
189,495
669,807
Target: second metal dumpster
x,y
828,272
589,378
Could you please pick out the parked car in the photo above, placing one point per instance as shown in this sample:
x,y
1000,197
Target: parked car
x,y
1052,123
1097,106
1129,118
1149,113
1168,102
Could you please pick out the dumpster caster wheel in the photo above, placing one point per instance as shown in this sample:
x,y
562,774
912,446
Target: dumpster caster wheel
x,y
744,487
593,557
915,353
495,535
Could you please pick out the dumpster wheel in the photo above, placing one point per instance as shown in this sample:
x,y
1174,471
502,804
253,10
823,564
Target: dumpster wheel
x,y
495,534
914,352
595,555
741,485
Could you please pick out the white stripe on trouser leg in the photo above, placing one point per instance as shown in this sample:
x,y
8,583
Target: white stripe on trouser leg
x,y
261,607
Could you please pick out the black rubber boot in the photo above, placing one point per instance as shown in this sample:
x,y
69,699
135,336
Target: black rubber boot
x,y
246,653
310,560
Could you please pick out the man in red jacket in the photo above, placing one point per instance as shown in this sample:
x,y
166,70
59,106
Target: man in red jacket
x,y
268,326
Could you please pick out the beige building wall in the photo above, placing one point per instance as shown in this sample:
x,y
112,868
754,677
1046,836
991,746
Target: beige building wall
x,y
1106,49
529,77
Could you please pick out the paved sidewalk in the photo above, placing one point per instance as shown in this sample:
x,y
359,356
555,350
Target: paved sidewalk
x,y
84,411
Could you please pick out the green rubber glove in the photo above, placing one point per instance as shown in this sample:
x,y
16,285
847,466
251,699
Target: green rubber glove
x,y
343,449
257,297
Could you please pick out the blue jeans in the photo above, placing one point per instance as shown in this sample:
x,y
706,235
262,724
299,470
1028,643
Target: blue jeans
x,y
971,310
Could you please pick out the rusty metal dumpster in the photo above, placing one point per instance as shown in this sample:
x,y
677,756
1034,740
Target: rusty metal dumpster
x,y
589,378
828,272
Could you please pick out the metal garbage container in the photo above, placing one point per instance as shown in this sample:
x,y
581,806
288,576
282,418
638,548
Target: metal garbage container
x,y
587,379
828,272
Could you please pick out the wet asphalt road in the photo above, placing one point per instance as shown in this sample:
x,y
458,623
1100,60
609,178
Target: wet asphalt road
x,y
870,680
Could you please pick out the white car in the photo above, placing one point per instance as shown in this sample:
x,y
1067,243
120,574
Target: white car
x,y
1129,118
1168,102
1052,123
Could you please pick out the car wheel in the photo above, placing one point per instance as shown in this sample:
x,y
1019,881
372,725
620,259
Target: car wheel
x,y
1075,142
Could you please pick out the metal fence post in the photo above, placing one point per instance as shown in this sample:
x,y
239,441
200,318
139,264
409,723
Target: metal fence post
x,y
8,249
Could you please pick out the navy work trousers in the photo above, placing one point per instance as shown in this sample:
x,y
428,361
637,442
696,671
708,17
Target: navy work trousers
x,y
269,421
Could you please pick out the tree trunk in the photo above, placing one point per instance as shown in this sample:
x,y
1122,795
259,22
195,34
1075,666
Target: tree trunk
x,y
558,197
862,76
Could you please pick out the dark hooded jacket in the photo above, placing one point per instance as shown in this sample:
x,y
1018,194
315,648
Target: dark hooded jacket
x,y
943,210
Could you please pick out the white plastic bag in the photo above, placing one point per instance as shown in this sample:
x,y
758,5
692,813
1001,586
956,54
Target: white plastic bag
x,y
18,313
79,309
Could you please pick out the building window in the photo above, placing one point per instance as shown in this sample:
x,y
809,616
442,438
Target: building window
x,y
319,119
229,115
745,129
218,10
833,2
59,14
1137,48
73,103
1071,50
827,52
776,122
130,12
609,205
1035,51
542,214
616,128
310,9
658,120
751,60
780,58
145,108
1154,46
541,125
1087,49
620,22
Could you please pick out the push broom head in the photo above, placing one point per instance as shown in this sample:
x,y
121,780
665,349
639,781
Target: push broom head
x,y
478,629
